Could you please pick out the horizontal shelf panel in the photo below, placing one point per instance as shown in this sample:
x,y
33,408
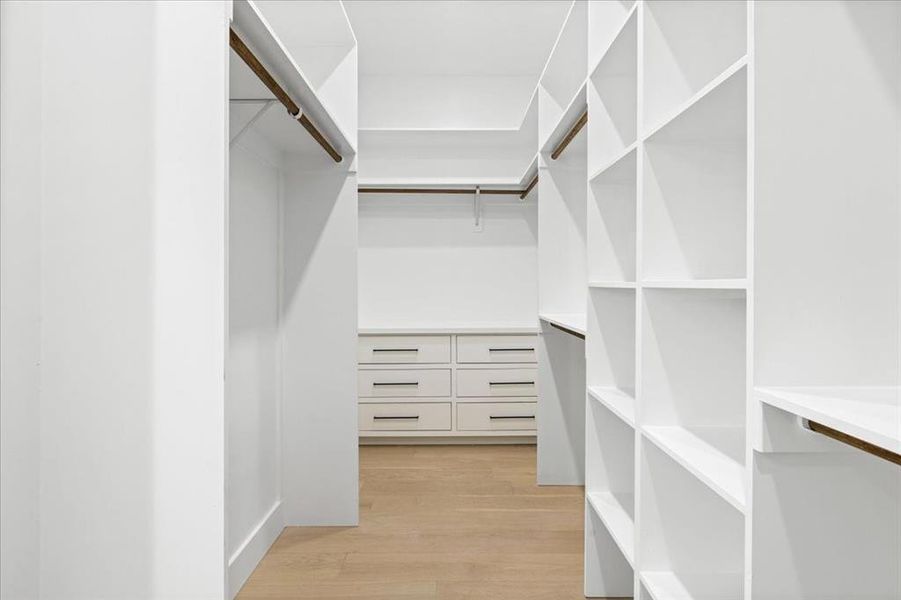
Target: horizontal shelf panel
x,y
577,105
697,284
256,32
615,511
620,403
628,285
716,469
573,321
453,328
872,414
666,585
725,76
613,162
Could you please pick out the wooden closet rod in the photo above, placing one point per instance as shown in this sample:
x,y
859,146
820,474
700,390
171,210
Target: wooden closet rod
x,y
570,136
241,49
858,443
406,190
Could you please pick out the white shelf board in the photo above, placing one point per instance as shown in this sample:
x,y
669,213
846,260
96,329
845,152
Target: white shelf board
x,y
448,329
620,403
617,518
256,32
577,322
872,414
720,471
577,105
430,182
619,30
666,585
726,75
613,162
697,284
530,172
625,285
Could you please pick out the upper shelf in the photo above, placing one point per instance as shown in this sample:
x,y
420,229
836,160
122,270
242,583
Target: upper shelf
x,y
577,105
871,414
261,38
574,322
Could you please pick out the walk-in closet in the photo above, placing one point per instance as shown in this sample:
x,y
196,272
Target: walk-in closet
x,y
450,299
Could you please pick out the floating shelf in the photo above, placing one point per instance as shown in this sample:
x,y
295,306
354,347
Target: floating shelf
x,y
616,512
666,585
617,401
574,322
721,472
622,285
872,414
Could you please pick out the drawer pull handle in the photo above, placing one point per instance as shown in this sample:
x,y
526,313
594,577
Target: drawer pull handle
x,y
511,383
395,349
400,418
511,349
512,417
395,383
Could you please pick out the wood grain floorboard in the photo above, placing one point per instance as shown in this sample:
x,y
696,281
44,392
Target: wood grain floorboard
x,y
437,523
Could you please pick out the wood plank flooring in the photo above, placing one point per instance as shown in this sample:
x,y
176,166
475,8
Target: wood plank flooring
x,y
437,522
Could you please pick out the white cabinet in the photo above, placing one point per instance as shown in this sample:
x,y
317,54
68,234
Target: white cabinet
x,y
447,383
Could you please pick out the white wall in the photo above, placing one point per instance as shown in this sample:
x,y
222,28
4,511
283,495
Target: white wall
x,y
444,101
422,262
252,376
131,130
20,295
319,305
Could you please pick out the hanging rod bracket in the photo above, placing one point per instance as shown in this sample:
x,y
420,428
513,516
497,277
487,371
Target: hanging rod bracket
x,y
477,209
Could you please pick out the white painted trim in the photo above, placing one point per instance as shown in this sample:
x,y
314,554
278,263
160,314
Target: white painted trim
x,y
248,555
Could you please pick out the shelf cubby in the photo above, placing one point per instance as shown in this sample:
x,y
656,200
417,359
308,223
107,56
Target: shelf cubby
x,y
686,46
612,95
611,216
605,21
692,543
610,350
693,383
610,503
695,190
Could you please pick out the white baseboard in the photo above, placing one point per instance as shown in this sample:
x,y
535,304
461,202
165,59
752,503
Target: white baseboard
x,y
248,555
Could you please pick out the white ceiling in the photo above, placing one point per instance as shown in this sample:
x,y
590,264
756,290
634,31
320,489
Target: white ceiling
x,y
462,37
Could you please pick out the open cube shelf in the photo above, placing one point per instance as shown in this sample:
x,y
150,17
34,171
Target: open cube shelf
x,y
612,222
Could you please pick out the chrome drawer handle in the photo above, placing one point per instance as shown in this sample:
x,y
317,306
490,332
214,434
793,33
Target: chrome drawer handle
x,y
402,418
511,349
395,383
511,417
511,383
395,349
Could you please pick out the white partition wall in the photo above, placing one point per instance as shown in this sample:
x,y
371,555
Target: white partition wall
x,y
743,266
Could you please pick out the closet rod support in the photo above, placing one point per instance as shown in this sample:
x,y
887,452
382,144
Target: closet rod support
x,y
250,59
570,135
850,440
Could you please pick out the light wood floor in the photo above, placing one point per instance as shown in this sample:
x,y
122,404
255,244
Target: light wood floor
x,y
437,522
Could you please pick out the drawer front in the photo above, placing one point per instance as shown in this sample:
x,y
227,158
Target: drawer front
x,y
405,416
496,348
386,383
496,416
400,349
496,382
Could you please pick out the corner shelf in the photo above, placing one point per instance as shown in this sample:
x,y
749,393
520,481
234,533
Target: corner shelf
x,y
719,471
872,414
616,511
617,401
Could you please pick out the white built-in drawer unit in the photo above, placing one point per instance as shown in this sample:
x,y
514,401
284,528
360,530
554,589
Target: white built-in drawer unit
x,y
496,348
437,383
386,383
405,416
395,349
496,416
496,382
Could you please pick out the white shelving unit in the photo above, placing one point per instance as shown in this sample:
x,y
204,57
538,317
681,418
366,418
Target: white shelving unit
x,y
743,273
562,269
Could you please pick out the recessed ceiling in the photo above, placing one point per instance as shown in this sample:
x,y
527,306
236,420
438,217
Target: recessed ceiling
x,y
468,37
